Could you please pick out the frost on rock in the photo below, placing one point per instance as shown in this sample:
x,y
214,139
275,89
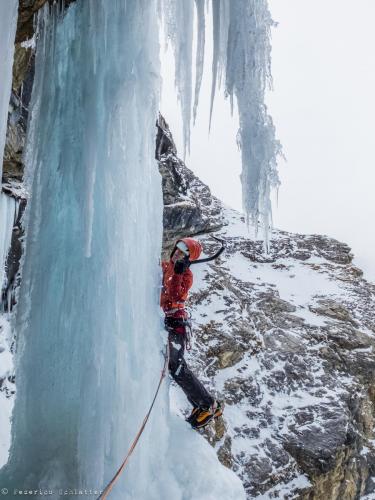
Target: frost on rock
x,y
89,343
7,215
241,63
8,22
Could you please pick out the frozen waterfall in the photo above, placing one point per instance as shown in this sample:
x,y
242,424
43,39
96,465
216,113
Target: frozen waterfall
x,y
89,335
8,22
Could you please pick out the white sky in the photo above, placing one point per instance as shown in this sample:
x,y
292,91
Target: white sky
x,y
323,106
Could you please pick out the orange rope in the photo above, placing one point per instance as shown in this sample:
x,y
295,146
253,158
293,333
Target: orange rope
x,y
109,486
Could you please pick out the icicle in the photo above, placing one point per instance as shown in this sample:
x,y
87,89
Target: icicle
x,y
220,15
200,52
215,57
179,18
241,57
247,74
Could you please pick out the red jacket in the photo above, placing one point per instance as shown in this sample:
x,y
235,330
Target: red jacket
x,y
175,290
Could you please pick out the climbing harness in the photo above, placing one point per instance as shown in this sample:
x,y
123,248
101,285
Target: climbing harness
x,y
213,257
109,486
189,334
181,326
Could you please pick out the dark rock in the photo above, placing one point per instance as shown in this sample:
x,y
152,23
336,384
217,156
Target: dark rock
x,y
26,11
224,453
315,449
189,207
330,249
25,25
272,304
259,469
236,389
332,309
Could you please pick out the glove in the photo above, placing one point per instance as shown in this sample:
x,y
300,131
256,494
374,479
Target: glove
x,y
181,265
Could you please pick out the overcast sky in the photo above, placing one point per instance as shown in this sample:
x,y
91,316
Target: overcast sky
x,y
323,106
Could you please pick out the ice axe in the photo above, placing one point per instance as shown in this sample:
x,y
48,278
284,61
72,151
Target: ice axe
x,y
213,257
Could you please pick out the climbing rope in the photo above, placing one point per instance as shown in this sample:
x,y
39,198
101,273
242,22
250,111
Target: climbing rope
x,y
109,486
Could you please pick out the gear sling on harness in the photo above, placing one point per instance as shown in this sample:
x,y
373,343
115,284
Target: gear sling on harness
x,y
182,326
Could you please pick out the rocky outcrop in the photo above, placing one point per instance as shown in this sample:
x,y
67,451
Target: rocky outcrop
x,y
23,74
189,207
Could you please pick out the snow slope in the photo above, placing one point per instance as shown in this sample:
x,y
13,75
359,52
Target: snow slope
x,y
287,341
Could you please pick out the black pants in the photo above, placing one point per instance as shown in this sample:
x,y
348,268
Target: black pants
x,y
181,373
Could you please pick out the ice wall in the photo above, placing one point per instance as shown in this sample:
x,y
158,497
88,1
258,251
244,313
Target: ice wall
x,y
241,66
93,244
8,23
89,336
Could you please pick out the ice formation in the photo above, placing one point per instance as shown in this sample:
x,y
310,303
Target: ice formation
x,y
89,335
178,19
201,36
241,63
8,23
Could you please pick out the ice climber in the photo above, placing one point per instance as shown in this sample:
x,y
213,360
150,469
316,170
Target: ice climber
x,y
177,281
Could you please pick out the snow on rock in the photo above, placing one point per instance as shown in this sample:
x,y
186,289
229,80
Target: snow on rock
x,y
287,341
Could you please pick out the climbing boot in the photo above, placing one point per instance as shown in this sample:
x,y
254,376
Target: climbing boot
x,y
193,415
203,416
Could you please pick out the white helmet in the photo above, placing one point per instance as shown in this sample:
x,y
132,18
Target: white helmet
x,y
181,245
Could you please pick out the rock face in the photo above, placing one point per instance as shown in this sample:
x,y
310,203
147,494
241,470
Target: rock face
x,y
23,75
26,11
189,207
